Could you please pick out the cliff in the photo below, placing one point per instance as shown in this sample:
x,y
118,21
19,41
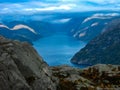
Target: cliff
x,y
21,68
103,49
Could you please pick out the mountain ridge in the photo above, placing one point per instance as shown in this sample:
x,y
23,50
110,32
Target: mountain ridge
x,y
102,49
20,32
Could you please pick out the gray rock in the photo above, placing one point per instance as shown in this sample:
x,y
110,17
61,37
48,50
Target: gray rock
x,y
70,78
21,68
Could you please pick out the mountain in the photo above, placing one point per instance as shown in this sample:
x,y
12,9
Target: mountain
x,y
20,32
83,26
102,49
21,68
93,25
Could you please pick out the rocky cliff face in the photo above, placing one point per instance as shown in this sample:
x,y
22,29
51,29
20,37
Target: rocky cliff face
x,y
103,49
21,68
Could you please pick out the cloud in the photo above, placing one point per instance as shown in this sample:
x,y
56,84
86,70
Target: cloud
x,y
62,20
50,8
101,16
17,27
94,24
36,6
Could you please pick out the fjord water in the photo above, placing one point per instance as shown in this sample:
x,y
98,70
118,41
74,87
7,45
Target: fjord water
x,y
58,49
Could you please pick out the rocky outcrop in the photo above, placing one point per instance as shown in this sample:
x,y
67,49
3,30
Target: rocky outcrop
x,y
103,76
98,77
21,68
102,49
70,78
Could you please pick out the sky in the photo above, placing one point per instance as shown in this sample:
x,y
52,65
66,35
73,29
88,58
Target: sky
x,y
36,6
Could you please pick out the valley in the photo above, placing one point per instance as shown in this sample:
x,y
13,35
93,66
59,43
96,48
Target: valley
x,y
56,36
58,49
59,44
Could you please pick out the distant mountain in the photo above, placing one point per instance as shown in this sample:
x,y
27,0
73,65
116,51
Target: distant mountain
x,y
19,32
81,25
105,48
92,25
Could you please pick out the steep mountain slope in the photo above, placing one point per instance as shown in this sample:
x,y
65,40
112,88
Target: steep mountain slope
x,y
102,49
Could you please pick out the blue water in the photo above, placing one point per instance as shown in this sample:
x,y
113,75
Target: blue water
x,y
58,49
